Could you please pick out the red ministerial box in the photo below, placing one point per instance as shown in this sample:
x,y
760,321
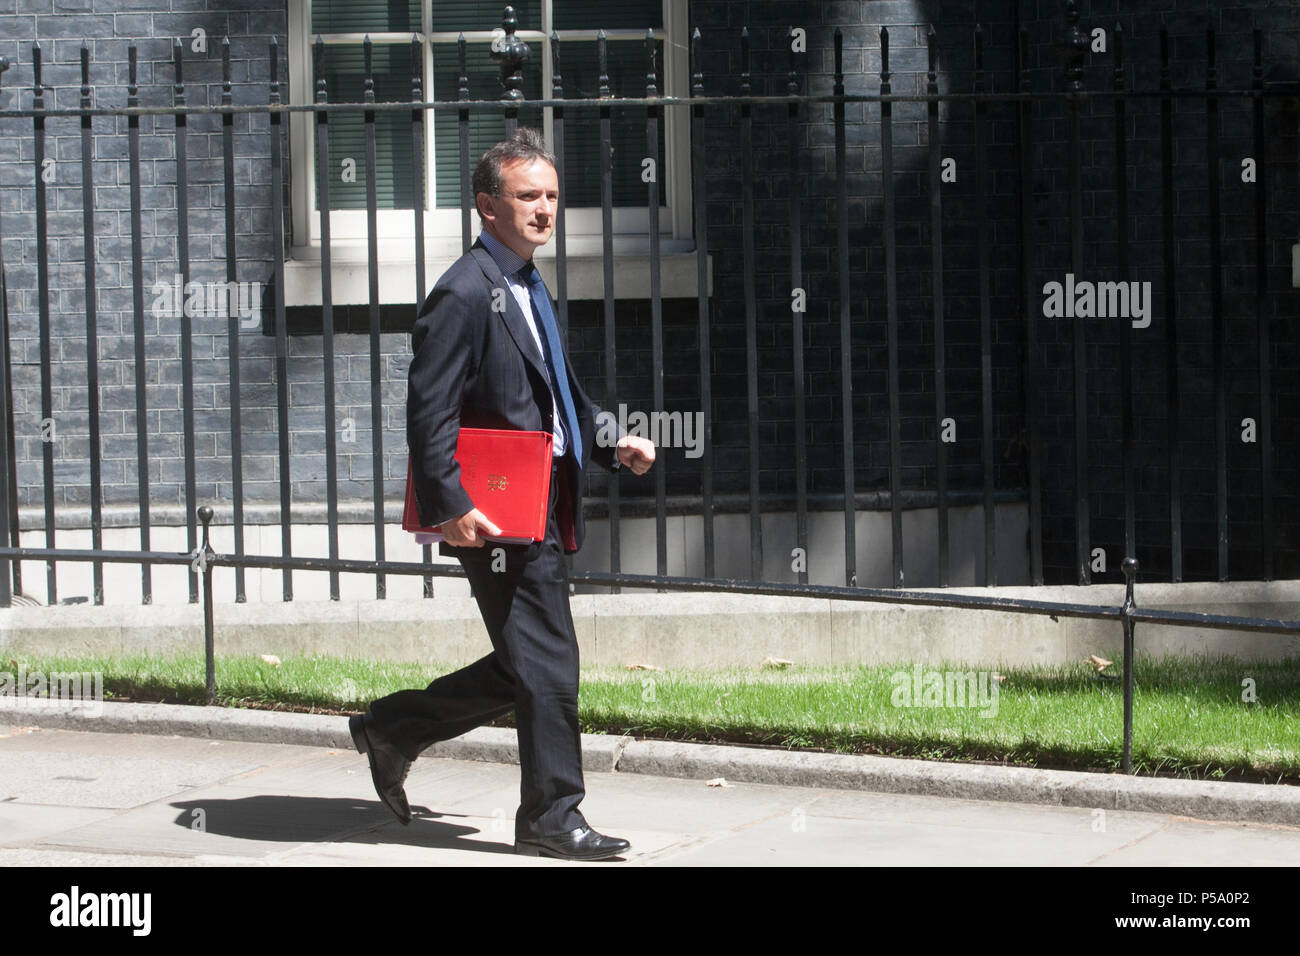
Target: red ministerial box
x,y
507,474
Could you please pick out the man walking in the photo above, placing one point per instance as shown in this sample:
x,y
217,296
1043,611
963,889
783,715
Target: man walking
x,y
487,354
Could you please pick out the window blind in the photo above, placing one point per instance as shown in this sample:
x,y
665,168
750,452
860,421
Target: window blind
x,y
365,16
580,70
394,175
344,74
457,16
603,15
485,128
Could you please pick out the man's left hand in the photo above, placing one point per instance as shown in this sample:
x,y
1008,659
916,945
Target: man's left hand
x,y
636,453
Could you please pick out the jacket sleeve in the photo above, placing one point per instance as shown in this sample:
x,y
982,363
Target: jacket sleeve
x,y
443,361
607,433
604,453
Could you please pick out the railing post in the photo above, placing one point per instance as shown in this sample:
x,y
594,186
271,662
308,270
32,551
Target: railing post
x,y
846,320
1218,331
1129,425
652,121
203,564
1173,385
43,321
7,488
511,53
1261,316
890,238
1126,618
138,329
797,309
417,199
1073,49
749,266
1033,359
281,332
376,361
234,319
982,137
183,281
936,299
89,272
561,236
607,271
561,225
467,198
702,299
327,313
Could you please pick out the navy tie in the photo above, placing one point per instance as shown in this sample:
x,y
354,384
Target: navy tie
x,y
545,317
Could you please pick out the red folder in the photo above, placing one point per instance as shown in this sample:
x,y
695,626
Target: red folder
x,y
507,474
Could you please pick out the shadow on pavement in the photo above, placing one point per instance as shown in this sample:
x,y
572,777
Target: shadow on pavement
x,y
292,819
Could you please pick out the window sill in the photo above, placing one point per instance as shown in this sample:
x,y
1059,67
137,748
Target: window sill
x,y
350,275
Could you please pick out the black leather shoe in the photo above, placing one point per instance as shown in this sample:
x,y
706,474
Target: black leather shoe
x,y
388,768
583,843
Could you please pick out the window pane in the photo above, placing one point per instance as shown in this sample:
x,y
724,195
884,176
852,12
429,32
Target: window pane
x,y
344,75
365,16
627,63
485,128
603,15
461,16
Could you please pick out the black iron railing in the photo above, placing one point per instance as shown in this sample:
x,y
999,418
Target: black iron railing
x,y
851,314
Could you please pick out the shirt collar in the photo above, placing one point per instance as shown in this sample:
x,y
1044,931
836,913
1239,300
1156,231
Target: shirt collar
x,y
503,255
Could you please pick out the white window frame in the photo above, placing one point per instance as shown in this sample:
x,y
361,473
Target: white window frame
x,y
396,227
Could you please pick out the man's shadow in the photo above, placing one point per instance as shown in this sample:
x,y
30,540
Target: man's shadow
x,y
293,819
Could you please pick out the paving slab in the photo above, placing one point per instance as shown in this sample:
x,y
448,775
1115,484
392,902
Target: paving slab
x,y
21,823
75,859
1187,842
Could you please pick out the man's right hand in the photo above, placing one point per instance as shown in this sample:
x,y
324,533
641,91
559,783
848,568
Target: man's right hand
x,y
467,531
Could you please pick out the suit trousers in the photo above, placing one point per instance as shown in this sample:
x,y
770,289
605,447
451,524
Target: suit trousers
x,y
532,670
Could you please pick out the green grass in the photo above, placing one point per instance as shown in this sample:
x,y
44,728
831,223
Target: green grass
x,y
1189,717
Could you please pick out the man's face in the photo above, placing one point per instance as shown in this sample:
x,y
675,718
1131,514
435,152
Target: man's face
x,y
523,216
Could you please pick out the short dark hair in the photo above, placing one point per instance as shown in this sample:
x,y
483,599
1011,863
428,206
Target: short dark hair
x,y
527,145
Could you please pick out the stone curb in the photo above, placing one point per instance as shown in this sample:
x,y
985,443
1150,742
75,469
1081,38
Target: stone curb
x,y
1203,799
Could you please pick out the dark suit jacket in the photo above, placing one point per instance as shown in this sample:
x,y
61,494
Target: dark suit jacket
x,y
479,368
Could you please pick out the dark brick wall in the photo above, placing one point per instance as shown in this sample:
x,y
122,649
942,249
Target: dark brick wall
x,y
109,25
720,25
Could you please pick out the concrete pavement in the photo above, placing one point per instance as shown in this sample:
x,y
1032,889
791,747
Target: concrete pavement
x,y
75,797
1205,799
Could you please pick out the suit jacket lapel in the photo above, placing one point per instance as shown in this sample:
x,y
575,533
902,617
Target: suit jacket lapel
x,y
514,319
